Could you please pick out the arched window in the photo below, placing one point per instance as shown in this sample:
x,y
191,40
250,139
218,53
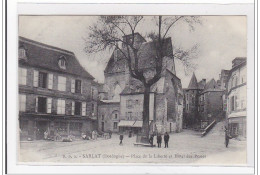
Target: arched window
x,y
117,92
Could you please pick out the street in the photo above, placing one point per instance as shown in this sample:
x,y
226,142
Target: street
x,y
187,147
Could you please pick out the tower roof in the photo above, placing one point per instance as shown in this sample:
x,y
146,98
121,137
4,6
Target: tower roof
x,y
193,82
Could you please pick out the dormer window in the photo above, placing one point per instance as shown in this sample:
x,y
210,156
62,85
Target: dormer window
x,y
62,62
22,53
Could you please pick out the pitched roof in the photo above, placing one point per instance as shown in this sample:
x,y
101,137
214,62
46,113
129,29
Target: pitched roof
x,y
201,85
147,56
46,56
212,86
193,82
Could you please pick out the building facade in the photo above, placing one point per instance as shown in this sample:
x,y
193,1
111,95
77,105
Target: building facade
x,y
237,98
202,103
210,102
165,98
54,92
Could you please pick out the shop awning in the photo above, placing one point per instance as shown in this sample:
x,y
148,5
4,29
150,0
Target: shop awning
x,y
139,124
126,123
237,114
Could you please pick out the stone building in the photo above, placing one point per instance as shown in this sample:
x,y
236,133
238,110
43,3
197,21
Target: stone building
x,y
237,97
166,95
54,92
210,102
223,80
191,101
203,102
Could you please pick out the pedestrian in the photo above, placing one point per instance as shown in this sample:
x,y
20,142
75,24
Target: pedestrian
x,y
93,135
110,134
121,137
151,140
46,135
159,140
166,139
227,137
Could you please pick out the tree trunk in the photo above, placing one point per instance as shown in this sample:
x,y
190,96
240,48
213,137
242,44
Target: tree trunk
x,y
145,128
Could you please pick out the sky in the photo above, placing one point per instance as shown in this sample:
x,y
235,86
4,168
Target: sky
x,y
220,39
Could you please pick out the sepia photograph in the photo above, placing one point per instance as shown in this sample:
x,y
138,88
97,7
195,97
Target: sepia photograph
x,y
132,89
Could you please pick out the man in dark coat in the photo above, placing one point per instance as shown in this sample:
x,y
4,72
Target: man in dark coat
x,y
121,137
159,140
151,140
166,140
227,137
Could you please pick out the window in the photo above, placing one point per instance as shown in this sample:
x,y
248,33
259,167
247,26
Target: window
x,y
77,108
187,107
232,103
78,86
92,108
61,126
42,80
92,93
234,81
115,125
61,106
117,92
102,117
61,83
115,116
22,102
193,100
243,79
129,104
22,76
62,63
42,104
187,97
129,115
22,53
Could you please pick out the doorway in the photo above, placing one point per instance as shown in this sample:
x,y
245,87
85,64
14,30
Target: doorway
x,y
41,126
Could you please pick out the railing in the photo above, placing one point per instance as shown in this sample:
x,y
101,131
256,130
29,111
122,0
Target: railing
x,y
208,128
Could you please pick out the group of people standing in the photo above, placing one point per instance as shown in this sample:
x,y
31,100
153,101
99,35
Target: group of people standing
x,y
166,138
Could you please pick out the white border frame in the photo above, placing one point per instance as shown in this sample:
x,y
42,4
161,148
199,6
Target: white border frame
x,y
126,9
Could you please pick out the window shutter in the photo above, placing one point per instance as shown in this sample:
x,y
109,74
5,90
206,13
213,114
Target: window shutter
x,y
36,104
50,81
63,107
49,104
236,103
35,78
84,109
72,107
72,85
59,106
24,72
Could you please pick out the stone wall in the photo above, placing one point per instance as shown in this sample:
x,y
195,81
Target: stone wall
x,y
108,111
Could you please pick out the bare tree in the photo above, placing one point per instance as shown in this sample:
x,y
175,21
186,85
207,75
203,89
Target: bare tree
x,y
108,33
